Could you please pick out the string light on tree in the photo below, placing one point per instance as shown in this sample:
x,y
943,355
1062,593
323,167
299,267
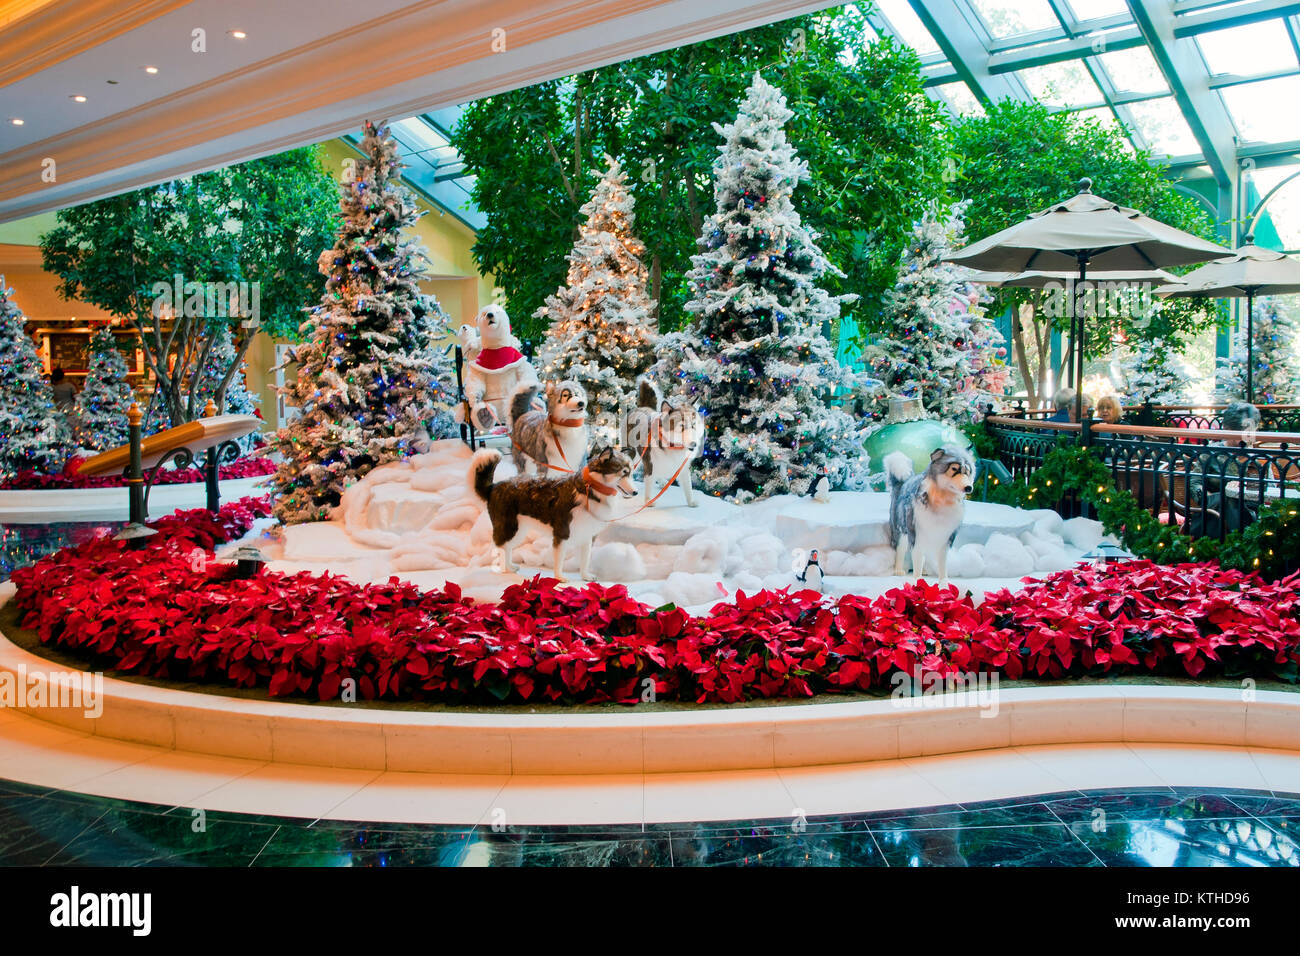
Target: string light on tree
x,y
602,331
365,385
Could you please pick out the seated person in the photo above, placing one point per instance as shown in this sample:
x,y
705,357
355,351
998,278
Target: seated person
x,y
1109,409
1063,403
1216,471
65,393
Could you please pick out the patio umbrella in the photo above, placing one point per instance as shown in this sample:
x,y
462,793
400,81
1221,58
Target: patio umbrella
x,y
1248,272
1041,280
1081,232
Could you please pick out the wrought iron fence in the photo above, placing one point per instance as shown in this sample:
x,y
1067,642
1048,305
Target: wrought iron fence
x,y
1206,481
1022,444
1206,489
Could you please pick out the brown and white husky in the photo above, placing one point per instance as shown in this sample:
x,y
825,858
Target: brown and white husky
x,y
553,440
669,435
575,508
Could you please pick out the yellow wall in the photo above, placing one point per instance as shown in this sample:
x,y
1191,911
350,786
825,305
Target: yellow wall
x,y
456,281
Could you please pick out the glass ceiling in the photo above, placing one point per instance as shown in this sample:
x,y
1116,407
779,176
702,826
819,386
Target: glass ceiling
x,y
1203,84
1209,86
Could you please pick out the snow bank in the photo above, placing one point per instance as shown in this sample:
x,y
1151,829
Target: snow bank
x,y
418,519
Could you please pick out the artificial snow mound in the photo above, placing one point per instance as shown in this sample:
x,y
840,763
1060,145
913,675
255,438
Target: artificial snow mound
x,y
419,520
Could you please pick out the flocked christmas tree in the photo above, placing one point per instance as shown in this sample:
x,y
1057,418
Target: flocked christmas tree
x,y
34,435
102,404
1154,372
926,351
364,385
1276,373
237,400
434,349
602,333
754,357
986,354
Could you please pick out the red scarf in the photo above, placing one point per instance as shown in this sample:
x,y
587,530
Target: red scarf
x,y
498,358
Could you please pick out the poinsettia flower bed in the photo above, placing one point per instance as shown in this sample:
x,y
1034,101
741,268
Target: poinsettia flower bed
x,y
247,467
160,611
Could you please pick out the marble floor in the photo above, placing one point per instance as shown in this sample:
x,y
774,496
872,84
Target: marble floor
x,y
1155,826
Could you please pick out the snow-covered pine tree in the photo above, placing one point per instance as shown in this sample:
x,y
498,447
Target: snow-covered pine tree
x,y
364,385
602,331
986,353
34,435
432,335
102,404
1276,375
926,349
1154,372
238,400
754,358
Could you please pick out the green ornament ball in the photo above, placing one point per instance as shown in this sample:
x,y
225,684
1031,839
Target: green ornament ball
x,y
916,440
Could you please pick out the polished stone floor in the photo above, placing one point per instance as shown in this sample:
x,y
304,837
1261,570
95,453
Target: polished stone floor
x,y
22,544
1132,827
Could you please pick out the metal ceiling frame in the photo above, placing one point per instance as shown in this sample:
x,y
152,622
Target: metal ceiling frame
x,y
990,69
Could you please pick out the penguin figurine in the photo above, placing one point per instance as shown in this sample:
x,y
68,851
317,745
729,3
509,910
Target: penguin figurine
x,y
812,572
821,488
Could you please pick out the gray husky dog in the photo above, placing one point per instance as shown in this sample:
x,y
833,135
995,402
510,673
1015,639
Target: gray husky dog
x,y
925,510
555,440
669,436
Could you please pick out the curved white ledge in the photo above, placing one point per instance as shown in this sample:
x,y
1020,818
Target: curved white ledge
x,y
33,506
644,740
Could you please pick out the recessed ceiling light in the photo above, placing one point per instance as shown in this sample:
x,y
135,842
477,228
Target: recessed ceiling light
x,y
78,98
16,121
151,69
238,34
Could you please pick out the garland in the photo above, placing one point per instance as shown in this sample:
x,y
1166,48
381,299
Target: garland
x,y
1269,545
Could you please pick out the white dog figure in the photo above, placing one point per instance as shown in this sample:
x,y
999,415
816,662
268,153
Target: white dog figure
x,y
494,373
926,510
470,346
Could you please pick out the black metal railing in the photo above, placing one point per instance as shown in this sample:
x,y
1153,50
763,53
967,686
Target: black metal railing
x,y
1207,489
1208,482
1022,444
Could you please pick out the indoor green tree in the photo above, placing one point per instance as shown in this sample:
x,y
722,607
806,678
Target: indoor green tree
x,y
260,222
875,144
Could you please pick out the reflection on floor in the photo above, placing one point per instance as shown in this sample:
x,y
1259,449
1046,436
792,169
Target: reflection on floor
x,y
23,544
1132,827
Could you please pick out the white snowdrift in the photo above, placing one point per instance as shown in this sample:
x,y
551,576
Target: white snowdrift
x,y
419,520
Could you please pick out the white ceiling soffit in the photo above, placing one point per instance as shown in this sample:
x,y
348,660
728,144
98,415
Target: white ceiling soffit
x,y
308,70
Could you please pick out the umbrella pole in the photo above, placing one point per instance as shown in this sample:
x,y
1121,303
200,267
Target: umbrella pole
x,y
1250,347
1079,342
